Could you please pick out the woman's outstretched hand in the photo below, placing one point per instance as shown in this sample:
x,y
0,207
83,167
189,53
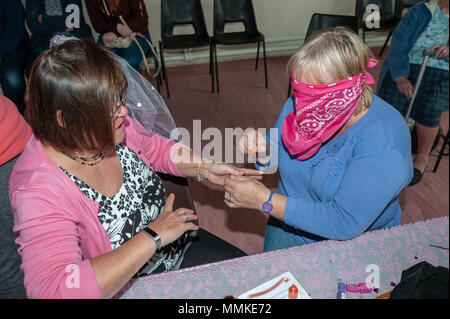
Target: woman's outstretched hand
x,y
170,225
217,172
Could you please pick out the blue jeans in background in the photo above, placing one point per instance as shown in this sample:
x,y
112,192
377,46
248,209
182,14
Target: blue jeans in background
x,y
276,237
280,236
12,77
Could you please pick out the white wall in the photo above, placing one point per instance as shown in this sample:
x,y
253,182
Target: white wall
x,y
275,18
283,22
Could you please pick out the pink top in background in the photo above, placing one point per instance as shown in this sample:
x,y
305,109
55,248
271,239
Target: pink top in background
x,y
14,130
57,225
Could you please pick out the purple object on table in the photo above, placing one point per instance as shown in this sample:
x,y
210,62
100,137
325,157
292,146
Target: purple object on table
x,y
341,291
392,250
359,288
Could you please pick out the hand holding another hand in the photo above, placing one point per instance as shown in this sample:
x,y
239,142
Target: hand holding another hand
x,y
217,172
242,191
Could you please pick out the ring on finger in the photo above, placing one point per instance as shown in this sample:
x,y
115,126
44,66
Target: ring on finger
x,y
186,217
227,197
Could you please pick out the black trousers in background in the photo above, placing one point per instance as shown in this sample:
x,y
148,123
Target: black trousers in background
x,y
207,248
12,78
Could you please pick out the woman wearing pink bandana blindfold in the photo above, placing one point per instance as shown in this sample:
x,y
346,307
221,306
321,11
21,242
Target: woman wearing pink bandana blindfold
x,y
343,154
321,110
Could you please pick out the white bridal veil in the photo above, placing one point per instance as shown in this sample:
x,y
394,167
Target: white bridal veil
x,y
143,102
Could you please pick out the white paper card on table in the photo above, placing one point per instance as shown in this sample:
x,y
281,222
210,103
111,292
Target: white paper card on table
x,y
276,288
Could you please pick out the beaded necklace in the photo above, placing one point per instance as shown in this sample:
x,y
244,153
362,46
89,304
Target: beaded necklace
x,y
91,161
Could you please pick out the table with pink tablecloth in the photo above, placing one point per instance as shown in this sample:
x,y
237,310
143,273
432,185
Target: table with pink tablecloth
x,y
317,267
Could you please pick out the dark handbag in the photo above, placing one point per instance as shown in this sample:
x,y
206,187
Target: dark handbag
x,y
422,281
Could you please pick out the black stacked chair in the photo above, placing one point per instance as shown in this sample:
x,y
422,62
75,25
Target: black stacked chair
x,y
321,21
399,6
388,21
183,12
442,150
178,186
228,11
403,4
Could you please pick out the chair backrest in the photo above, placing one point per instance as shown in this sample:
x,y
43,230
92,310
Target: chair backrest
x,y
179,186
226,11
321,21
403,4
182,12
384,6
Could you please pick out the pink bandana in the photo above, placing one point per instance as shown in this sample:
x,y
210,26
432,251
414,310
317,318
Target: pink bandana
x,y
320,111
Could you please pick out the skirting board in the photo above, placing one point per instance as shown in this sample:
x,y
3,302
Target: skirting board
x,y
280,46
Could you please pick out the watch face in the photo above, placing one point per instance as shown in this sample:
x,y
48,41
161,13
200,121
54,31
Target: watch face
x,y
267,207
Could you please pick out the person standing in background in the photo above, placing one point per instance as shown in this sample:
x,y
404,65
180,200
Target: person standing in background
x,y
105,17
13,51
46,18
425,26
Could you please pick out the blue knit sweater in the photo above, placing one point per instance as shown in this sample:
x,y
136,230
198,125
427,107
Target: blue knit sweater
x,y
352,184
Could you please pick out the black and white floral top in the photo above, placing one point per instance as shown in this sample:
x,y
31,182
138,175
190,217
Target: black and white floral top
x,y
139,201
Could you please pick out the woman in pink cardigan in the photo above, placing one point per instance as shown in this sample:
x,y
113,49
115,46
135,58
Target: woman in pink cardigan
x,y
89,210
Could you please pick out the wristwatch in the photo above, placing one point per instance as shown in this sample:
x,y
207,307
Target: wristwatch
x,y
267,206
153,236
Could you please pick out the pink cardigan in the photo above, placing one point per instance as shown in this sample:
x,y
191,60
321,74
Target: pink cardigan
x,y
57,225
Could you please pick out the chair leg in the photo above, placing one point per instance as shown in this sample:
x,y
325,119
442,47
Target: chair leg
x,y
385,43
163,66
159,82
217,68
158,77
441,152
257,56
289,89
211,68
265,63
210,58
163,71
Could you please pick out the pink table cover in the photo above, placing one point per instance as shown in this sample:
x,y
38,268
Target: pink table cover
x,y
317,267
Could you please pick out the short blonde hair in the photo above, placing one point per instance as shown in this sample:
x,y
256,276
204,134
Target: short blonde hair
x,y
330,55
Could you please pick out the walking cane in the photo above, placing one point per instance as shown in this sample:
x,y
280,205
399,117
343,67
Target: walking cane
x,y
426,53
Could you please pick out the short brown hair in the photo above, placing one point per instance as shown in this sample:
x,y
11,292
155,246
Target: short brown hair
x,y
85,83
337,52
